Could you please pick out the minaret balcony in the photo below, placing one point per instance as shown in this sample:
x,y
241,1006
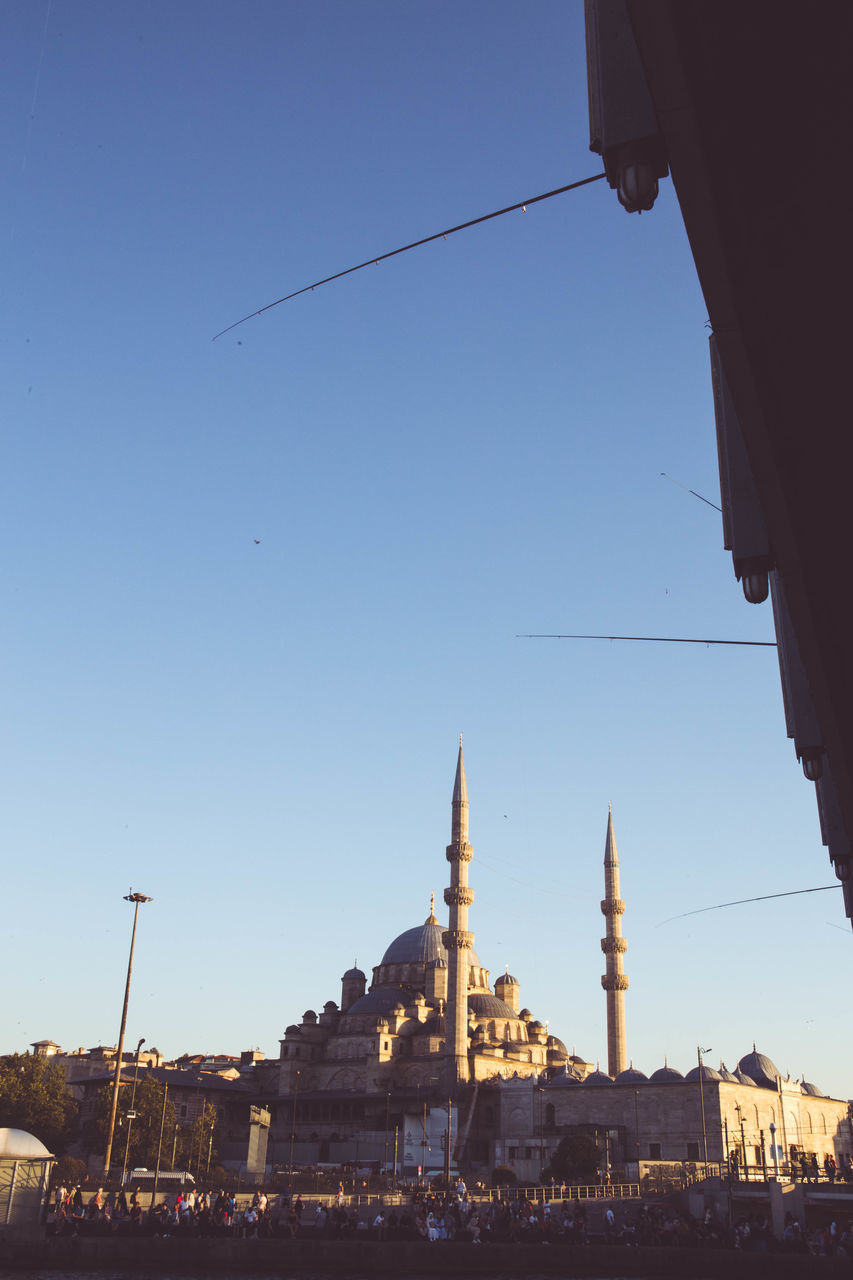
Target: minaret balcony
x,y
461,852
614,981
459,896
457,939
614,946
613,907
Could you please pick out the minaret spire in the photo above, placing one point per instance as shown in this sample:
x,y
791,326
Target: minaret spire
x,y
456,938
614,946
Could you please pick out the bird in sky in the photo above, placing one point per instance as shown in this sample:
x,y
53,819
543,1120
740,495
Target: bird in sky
x,y
257,541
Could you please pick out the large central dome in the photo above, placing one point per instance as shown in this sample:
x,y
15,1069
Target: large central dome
x,y
420,945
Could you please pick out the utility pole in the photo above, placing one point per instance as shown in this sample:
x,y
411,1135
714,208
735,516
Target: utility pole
x,y
136,899
131,1114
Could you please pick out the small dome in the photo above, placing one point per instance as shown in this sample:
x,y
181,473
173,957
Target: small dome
x,y
17,1144
742,1079
632,1076
708,1073
598,1077
508,980
535,1025
557,1045
354,975
811,1089
727,1075
562,1080
760,1069
525,1015
380,1001
292,1030
440,963
330,1007
486,1005
665,1075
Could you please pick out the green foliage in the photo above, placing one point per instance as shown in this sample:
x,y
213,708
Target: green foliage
x,y
68,1172
503,1176
140,1137
33,1097
577,1159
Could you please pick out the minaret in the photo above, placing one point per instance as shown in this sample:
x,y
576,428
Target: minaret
x,y
614,946
457,939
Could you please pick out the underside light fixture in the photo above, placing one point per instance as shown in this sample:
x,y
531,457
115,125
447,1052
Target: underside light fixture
x,y
755,582
638,187
812,762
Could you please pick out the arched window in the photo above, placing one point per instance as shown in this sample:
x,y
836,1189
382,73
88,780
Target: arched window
x,y
809,1118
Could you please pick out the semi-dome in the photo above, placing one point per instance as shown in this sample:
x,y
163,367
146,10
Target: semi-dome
x,y
489,1006
382,1000
17,1144
760,1069
598,1077
704,1073
420,945
665,1075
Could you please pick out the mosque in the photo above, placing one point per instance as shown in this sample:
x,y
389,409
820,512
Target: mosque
x,y
430,1056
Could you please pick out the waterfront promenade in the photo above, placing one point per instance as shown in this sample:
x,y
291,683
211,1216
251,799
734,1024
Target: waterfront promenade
x,y
203,1257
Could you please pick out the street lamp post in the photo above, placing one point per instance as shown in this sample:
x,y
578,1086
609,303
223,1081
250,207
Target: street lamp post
x,y
387,1117
699,1053
136,899
293,1122
131,1115
739,1111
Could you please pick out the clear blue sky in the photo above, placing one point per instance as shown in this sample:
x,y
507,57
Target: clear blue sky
x,y
435,454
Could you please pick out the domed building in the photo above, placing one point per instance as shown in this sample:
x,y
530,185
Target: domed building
x,y
429,1024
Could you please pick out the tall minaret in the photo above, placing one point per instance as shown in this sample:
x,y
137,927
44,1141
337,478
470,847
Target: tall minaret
x,y
457,939
614,946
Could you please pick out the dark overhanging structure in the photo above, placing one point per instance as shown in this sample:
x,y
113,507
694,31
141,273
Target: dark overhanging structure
x,y
748,106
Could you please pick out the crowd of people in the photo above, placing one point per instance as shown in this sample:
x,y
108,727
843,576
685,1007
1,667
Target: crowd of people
x,y
432,1217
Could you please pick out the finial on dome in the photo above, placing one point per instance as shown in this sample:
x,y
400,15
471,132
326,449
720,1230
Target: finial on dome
x,y
431,917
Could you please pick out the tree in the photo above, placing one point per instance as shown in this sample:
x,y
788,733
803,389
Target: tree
x,y
503,1176
33,1097
143,1131
577,1159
